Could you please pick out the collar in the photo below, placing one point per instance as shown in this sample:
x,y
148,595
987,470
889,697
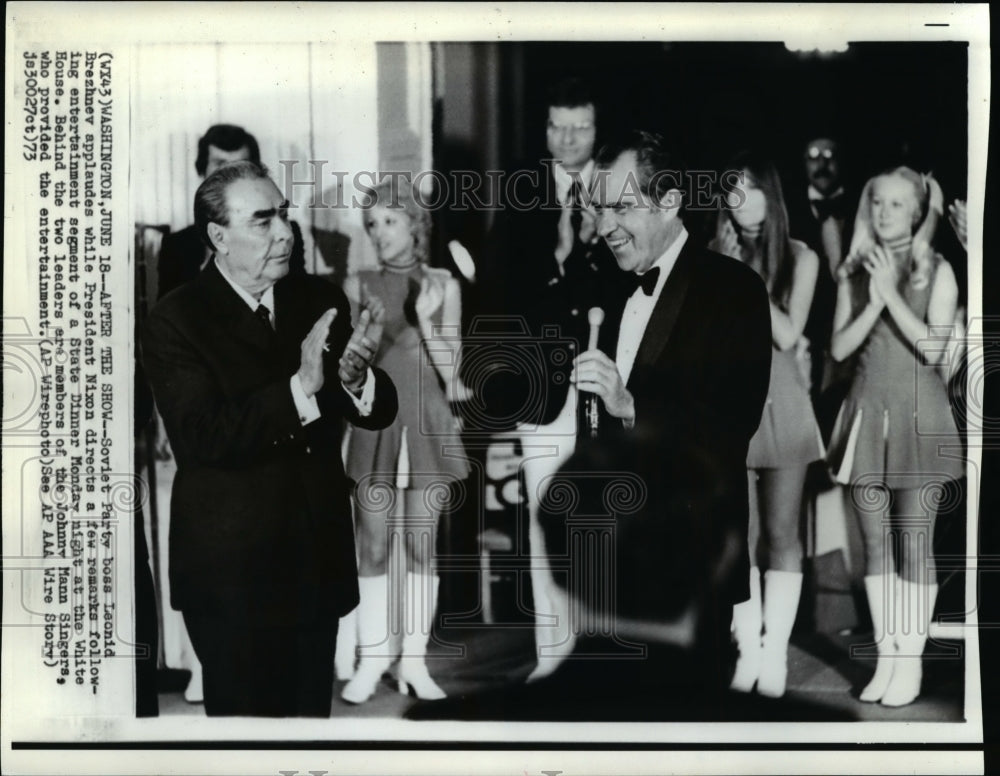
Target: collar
x,y
815,196
667,260
267,298
564,179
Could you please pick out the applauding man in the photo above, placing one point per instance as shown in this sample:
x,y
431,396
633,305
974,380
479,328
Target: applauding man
x,y
254,370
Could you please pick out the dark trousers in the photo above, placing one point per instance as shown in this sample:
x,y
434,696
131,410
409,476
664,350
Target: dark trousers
x,y
264,671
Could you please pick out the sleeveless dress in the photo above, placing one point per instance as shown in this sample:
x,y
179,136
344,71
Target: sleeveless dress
x,y
422,446
895,426
788,434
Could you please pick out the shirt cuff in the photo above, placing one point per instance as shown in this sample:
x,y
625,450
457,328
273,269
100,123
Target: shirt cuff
x,y
306,406
364,402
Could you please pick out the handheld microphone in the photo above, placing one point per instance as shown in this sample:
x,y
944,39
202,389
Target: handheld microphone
x,y
595,317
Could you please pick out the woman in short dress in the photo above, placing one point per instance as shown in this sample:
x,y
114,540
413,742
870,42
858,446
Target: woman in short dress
x,y
754,228
895,443
404,472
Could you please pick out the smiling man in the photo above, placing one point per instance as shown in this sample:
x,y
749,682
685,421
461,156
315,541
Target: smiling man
x,y
253,370
685,355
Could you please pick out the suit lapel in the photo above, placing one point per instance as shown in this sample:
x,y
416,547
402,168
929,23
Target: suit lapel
x,y
234,314
668,306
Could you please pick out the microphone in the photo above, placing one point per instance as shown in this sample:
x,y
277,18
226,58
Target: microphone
x,y
595,317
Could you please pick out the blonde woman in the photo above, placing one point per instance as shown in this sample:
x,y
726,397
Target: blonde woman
x,y
895,442
404,471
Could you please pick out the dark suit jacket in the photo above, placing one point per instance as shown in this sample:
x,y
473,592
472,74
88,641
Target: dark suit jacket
x,y
700,380
824,372
523,279
260,512
183,253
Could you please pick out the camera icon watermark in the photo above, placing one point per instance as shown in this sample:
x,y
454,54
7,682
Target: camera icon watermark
x,y
515,377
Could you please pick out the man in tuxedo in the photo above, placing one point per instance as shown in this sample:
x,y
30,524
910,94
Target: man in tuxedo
x,y
822,216
686,355
183,254
253,370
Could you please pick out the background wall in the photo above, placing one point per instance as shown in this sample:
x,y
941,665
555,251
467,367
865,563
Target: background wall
x,y
303,101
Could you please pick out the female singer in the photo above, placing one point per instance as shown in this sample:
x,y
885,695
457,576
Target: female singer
x,y
418,456
895,441
754,229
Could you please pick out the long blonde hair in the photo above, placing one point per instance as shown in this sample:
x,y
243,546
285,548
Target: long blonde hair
x,y
930,204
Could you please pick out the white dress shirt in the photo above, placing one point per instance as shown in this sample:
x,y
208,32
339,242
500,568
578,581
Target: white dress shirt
x,y
564,179
306,406
639,308
564,182
815,195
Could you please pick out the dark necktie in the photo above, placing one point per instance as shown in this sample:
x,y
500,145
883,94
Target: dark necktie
x,y
264,316
831,206
576,214
646,281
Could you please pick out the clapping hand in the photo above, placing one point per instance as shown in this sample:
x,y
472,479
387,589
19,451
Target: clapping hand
x,y
729,241
883,276
311,363
429,299
363,344
957,219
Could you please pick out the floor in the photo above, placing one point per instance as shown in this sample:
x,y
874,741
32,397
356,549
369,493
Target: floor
x,y
821,670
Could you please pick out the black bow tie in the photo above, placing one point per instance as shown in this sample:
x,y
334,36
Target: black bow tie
x,y
831,206
646,281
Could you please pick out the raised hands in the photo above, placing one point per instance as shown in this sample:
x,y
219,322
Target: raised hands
x,y
363,344
311,363
429,300
729,241
957,219
884,277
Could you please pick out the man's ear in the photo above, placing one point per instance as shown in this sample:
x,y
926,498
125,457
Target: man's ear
x,y
217,234
671,199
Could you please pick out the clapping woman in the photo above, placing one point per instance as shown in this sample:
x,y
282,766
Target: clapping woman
x,y
418,457
895,442
753,227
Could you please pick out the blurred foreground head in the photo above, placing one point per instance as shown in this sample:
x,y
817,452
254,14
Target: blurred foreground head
x,y
636,527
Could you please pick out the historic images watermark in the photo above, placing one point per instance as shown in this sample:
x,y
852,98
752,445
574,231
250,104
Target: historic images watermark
x,y
491,190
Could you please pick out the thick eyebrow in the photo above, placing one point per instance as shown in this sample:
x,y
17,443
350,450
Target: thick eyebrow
x,y
270,212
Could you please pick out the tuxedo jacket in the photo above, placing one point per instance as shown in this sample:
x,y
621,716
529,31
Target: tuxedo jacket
x,y
183,253
525,283
699,382
260,520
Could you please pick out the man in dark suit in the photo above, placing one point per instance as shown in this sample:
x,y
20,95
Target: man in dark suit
x,y
183,254
241,362
549,266
822,215
687,354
